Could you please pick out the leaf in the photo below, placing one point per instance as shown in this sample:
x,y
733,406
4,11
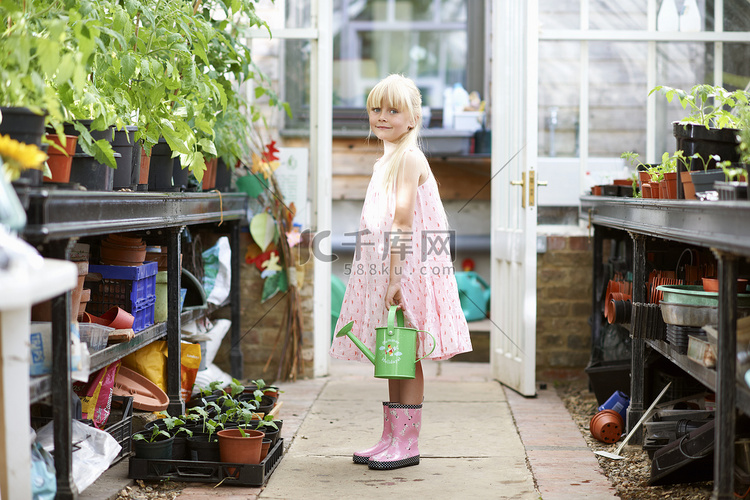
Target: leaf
x,y
263,229
129,65
274,284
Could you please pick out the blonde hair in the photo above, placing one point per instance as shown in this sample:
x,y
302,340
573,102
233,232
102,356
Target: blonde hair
x,y
401,93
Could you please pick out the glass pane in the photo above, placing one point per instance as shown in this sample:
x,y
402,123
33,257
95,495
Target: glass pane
x,y
736,15
453,11
678,65
298,14
559,84
736,65
624,15
560,14
617,98
296,88
415,10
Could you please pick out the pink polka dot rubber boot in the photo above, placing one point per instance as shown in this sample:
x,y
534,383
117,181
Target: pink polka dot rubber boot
x,y
406,420
362,457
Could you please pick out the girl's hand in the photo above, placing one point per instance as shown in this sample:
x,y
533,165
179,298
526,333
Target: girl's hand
x,y
393,295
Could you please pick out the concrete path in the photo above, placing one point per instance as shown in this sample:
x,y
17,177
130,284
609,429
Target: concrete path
x,y
479,440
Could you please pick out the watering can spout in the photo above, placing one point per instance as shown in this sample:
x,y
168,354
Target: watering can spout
x,y
347,330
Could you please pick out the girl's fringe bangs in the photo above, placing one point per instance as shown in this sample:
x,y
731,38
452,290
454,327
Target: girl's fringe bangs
x,y
389,94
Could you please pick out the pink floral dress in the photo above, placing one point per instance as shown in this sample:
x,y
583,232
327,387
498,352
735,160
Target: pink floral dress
x,y
428,284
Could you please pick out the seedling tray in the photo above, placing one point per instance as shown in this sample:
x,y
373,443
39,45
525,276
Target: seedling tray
x,y
208,472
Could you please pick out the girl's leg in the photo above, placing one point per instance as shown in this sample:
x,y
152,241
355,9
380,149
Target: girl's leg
x,y
394,390
408,392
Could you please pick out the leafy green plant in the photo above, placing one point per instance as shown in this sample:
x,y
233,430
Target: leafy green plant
x,y
43,48
706,162
155,433
210,388
175,425
708,105
732,173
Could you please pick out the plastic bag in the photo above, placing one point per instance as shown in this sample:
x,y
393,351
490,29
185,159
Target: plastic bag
x,y
93,451
43,479
217,271
151,362
96,394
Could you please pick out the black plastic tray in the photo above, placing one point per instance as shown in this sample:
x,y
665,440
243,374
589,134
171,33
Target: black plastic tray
x,y
208,472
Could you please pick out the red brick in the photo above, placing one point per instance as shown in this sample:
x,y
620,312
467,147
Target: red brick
x,y
556,243
580,243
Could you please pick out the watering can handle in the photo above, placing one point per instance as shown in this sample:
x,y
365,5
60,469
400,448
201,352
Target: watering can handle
x,y
395,318
434,344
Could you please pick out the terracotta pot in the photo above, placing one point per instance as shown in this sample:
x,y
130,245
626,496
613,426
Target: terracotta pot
x,y
209,176
646,190
121,256
115,317
688,188
712,285
264,448
234,448
145,165
670,185
596,190
127,241
85,298
606,426
59,162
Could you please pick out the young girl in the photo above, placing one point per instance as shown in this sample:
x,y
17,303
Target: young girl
x,y
402,258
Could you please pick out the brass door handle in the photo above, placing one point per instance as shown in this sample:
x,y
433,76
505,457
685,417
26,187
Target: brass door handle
x,y
521,183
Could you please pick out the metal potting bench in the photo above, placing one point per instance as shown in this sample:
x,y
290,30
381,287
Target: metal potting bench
x,y
722,227
57,218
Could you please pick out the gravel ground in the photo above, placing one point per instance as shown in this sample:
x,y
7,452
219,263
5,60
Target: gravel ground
x,y
629,476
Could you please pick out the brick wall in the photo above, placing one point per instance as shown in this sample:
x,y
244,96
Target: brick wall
x,y
563,307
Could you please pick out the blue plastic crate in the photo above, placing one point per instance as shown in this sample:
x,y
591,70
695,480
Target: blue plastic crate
x,y
132,288
144,315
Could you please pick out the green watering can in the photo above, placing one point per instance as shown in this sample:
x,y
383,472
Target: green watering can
x,y
395,345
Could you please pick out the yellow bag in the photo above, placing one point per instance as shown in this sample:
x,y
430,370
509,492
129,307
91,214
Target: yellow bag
x,y
151,362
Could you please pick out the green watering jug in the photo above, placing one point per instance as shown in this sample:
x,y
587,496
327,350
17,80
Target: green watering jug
x,y
395,346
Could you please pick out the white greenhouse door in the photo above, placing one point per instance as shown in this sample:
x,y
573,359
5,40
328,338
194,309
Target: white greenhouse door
x,y
514,193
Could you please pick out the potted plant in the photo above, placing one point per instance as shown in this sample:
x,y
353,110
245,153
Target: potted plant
x,y
711,126
154,445
240,446
732,188
704,178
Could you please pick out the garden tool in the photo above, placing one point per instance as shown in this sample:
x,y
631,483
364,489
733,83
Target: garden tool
x,y
395,347
616,455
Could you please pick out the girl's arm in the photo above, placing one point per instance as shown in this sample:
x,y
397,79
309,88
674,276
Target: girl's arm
x,y
410,172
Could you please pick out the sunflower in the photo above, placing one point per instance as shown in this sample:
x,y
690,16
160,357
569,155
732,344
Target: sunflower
x,y
18,157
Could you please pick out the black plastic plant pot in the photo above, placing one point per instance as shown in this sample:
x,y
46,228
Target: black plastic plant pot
x,y
180,450
223,176
201,449
730,191
162,165
123,143
89,173
693,138
22,125
161,448
179,176
704,180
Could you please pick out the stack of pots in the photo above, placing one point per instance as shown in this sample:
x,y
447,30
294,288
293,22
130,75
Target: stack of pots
x,y
118,250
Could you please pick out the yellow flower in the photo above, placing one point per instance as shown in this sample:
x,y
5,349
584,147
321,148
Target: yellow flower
x,y
18,157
